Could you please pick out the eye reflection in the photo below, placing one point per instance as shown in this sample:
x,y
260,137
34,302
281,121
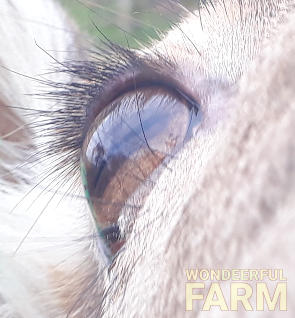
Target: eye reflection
x,y
125,144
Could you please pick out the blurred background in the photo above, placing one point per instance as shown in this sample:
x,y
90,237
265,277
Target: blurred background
x,y
127,22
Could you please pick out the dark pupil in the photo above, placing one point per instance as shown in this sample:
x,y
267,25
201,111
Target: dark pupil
x,y
127,143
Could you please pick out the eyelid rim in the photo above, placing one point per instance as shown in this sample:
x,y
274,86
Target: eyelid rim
x,y
130,80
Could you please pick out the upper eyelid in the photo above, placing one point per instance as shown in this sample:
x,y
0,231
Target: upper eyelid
x,y
145,72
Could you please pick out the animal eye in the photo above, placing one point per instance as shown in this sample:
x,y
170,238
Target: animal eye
x,y
125,144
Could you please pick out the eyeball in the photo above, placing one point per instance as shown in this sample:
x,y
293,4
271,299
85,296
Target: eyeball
x,y
126,142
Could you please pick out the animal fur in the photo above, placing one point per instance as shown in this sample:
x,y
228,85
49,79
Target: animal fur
x,y
225,201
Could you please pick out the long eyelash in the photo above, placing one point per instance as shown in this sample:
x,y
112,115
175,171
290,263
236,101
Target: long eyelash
x,y
89,78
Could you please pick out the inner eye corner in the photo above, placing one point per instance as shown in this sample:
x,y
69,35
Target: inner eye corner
x,y
127,142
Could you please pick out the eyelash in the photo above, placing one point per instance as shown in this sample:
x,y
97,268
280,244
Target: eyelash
x,y
93,82
68,122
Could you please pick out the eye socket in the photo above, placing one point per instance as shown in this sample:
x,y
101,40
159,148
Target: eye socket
x,y
126,142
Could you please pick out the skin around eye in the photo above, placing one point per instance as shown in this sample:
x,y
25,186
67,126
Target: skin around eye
x,y
125,144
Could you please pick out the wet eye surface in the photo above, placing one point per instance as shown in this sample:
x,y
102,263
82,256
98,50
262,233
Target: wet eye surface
x,y
125,144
